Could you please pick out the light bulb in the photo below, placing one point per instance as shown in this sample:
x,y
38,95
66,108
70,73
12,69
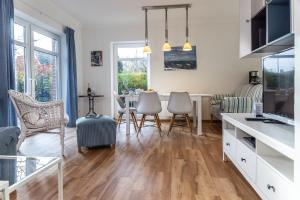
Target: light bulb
x,y
166,47
187,46
147,49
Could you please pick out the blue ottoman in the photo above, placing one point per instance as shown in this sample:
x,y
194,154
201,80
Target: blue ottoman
x,y
98,131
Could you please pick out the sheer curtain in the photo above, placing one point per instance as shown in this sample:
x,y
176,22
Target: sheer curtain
x,y
72,99
7,75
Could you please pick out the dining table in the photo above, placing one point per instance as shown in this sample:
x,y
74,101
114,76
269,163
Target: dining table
x,y
197,100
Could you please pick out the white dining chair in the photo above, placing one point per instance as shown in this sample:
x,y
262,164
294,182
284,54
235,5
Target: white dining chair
x,y
122,111
149,105
180,104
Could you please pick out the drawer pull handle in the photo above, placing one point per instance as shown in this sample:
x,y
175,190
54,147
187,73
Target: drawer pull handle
x,y
270,187
228,144
243,159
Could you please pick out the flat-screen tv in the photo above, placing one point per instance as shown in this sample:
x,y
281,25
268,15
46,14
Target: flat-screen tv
x,y
278,83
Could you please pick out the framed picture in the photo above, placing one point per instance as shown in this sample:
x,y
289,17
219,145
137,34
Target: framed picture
x,y
177,59
96,58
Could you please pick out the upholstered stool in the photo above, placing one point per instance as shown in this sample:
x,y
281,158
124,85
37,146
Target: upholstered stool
x,y
98,131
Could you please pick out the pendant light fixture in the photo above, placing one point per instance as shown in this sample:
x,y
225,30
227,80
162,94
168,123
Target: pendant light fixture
x,y
147,49
166,46
187,45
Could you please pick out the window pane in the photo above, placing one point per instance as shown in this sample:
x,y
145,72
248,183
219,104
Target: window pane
x,y
19,32
44,42
131,53
44,74
139,65
20,68
132,69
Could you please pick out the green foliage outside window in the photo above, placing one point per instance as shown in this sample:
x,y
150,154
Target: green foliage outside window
x,y
20,81
132,81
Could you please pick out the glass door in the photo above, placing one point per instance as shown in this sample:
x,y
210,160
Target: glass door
x,y
131,68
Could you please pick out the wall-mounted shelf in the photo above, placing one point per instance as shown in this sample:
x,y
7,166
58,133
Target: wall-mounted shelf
x,y
268,31
280,44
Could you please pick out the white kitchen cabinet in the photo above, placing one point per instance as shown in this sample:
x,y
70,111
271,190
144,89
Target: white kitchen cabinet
x,y
256,6
245,28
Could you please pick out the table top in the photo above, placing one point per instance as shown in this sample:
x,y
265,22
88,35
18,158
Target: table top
x,y
16,169
96,95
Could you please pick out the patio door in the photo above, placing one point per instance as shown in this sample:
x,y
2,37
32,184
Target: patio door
x,y
131,67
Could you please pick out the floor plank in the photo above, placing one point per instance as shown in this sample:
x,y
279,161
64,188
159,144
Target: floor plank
x,y
175,167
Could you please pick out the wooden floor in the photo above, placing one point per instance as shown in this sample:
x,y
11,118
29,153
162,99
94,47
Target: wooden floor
x,y
177,167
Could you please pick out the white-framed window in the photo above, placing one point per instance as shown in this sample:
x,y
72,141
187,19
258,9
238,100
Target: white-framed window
x,y
37,61
131,67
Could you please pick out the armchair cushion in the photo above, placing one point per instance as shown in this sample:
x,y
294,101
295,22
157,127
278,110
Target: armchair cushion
x,y
237,104
31,117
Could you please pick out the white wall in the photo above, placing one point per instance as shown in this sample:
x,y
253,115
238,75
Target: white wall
x,y
219,68
53,18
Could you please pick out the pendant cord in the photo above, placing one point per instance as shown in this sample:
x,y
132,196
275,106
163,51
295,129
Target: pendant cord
x,y
166,26
187,24
146,27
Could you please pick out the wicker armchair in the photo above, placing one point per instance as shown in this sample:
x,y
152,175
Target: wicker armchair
x,y
38,117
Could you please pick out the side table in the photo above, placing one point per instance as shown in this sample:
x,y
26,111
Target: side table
x,y
91,113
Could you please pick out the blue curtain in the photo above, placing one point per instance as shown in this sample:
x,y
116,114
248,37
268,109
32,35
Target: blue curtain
x,y
7,75
72,103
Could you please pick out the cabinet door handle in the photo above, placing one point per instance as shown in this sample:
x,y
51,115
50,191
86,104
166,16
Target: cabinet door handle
x,y
228,144
243,159
247,20
270,187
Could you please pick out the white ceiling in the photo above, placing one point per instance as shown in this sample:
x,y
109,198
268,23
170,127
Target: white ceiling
x,y
118,12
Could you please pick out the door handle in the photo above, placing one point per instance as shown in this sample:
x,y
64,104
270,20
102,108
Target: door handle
x,y
228,144
243,159
271,187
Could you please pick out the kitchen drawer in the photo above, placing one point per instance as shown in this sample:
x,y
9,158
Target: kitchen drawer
x,y
271,184
229,144
246,159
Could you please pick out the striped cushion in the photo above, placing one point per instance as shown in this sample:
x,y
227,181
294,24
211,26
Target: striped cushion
x,y
237,105
218,98
243,91
256,92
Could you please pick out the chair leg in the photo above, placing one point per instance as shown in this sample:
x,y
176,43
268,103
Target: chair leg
x,y
79,149
62,141
158,123
171,124
21,140
134,121
188,122
119,120
141,123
